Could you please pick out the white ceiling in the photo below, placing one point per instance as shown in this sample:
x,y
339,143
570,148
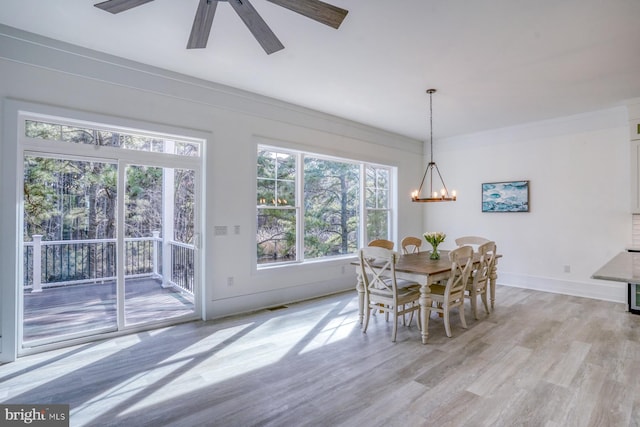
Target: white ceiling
x,y
495,63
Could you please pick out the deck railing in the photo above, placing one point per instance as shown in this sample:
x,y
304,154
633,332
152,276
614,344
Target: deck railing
x,y
69,262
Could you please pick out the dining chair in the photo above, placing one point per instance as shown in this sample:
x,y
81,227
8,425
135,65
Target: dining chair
x,y
411,245
383,291
473,241
479,281
382,243
387,244
451,294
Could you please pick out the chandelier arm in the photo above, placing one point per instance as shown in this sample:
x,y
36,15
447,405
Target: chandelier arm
x,y
422,182
446,191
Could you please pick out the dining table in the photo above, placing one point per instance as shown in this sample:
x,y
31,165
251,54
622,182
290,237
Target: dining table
x,y
419,268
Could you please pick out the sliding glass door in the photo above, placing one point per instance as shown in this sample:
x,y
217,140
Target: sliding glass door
x,y
110,226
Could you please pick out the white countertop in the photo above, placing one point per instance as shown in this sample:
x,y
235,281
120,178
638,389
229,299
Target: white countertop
x,y
624,267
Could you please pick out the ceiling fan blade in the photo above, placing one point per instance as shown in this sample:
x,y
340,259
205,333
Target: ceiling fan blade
x,y
202,24
117,6
257,26
315,9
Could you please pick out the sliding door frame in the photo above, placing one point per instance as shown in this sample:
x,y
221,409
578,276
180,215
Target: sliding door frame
x,y
14,148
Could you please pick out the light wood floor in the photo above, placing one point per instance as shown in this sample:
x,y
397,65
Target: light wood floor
x,y
539,359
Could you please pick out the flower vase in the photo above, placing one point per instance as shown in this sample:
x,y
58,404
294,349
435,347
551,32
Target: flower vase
x,y
434,253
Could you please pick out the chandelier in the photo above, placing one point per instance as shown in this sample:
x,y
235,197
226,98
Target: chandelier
x,y
434,196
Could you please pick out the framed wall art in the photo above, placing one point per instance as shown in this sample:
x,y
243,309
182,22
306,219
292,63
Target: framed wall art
x,y
507,196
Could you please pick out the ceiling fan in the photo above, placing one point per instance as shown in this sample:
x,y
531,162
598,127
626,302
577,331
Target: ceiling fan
x,y
315,9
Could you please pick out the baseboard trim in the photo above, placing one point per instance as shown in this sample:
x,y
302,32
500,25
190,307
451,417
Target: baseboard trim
x,y
263,300
600,289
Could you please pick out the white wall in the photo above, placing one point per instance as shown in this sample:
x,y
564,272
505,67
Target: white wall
x,y
578,168
40,70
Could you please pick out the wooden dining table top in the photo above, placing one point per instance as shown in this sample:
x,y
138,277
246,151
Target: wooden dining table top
x,y
420,263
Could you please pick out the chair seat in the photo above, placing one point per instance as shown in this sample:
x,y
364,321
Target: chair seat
x,y
407,293
402,283
438,289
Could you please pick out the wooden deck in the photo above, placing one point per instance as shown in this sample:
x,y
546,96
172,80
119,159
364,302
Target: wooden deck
x,y
79,308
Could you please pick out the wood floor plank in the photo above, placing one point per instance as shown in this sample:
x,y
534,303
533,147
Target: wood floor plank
x,y
565,368
501,370
538,359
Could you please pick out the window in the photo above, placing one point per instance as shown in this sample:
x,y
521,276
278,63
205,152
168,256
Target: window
x,y
277,206
377,194
312,207
92,135
331,207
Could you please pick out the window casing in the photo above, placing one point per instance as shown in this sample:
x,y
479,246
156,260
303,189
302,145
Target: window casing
x,y
313,207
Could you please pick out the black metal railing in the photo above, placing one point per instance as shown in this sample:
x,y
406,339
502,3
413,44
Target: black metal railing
x,y
67,262
182,262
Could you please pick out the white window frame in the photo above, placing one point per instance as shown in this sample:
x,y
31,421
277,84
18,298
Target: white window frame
x,y
299,205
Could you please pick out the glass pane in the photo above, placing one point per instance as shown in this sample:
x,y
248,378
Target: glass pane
x,y
94,136
286,193
276,236
142,143
185,205
370,173
159,252
266,164
77,135
286,166
382,199
70,254
42,130
331,199
382,180
143,201
377,224
266,192
371,200
187,149
276,174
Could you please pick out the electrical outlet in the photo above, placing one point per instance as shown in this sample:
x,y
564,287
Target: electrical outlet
x,y
230,281
567,269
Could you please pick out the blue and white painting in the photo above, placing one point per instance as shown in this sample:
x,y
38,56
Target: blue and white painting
x,y
512,196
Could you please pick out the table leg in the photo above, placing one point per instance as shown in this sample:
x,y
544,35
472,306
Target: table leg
x,y
360,289
425,310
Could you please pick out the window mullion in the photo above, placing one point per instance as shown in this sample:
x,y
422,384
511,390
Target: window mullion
x,y
300,206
